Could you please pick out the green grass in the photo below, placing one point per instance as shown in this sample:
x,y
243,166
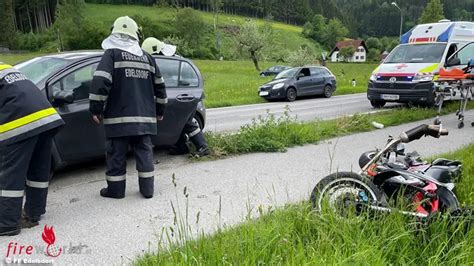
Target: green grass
x,y
230,83
268,134
288,37
16,58
345,72
94,12
295,235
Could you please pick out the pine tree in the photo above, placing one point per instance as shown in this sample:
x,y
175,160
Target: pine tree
x,y
433,12
7,26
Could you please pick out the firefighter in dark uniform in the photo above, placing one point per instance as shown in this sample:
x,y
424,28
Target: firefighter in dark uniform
x,y
27,125
192,130
128,96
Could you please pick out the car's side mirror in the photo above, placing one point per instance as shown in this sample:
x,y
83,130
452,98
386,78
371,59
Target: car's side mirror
x,y
470,63
455,61
63,97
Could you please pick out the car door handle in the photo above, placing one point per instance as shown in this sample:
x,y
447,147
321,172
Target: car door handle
x,y
185,98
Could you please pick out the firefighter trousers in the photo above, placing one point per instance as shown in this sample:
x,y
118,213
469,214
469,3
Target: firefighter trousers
x,y
116,155
24,171
193,132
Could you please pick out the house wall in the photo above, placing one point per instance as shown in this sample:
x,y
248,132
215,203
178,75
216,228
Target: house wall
x,y
334,56
360,55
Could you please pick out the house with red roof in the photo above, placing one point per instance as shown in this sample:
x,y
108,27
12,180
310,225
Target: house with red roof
x,y
360,54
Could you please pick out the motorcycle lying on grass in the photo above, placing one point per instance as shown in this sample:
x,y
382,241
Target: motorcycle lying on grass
x,y
390,177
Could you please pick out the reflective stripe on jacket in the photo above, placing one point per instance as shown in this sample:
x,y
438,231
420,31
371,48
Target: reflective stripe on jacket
x,y
24,109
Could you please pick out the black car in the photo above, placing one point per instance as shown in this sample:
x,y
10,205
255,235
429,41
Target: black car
x,y
299,81
274,70
71,73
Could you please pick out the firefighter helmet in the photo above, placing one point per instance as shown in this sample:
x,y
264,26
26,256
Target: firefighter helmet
x,y
126,25
152,45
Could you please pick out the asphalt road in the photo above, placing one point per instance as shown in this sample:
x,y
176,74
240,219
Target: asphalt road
x,y
232,118
93,230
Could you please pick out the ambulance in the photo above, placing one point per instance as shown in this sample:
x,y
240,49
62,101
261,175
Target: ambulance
x,y
408,73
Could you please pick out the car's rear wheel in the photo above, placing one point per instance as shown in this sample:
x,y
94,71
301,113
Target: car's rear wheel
x,y
199,120
328,91
377,103
291,94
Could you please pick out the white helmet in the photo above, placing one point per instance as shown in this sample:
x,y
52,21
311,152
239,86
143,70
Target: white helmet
x,y
152,45
126,25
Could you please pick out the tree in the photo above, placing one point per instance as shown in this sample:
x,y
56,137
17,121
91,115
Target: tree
x,y
301,57
191,27
216,6
69,22
308,31
319,26
373,43
253,39
433,12
374,55
316,28
7,26
347,53
334,32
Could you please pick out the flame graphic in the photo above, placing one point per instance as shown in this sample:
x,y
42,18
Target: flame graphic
x,y
48,235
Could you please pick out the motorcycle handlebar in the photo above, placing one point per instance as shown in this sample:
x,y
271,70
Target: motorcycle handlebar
x,y
416,133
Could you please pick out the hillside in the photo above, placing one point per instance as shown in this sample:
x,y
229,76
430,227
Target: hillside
x,y
287,38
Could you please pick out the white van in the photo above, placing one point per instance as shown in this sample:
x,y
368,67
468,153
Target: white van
x,y
407,73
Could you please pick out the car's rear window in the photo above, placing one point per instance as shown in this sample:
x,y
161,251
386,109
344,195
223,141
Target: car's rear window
x,y
40,68
177,73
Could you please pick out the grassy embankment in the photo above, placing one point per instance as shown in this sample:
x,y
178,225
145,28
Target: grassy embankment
x,y
267,134
295,235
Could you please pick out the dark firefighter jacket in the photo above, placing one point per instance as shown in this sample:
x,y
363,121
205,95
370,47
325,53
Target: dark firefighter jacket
x,y
24,109
129,92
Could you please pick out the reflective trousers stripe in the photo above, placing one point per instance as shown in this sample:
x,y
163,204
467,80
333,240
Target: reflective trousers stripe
x,y
12,193
115,178
194,133
162,101
97,97
146,174
35,184
128,64
27,119
129,119
103,74
30,126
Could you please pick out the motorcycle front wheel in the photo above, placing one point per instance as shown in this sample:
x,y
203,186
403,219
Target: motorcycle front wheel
x,y
343,192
